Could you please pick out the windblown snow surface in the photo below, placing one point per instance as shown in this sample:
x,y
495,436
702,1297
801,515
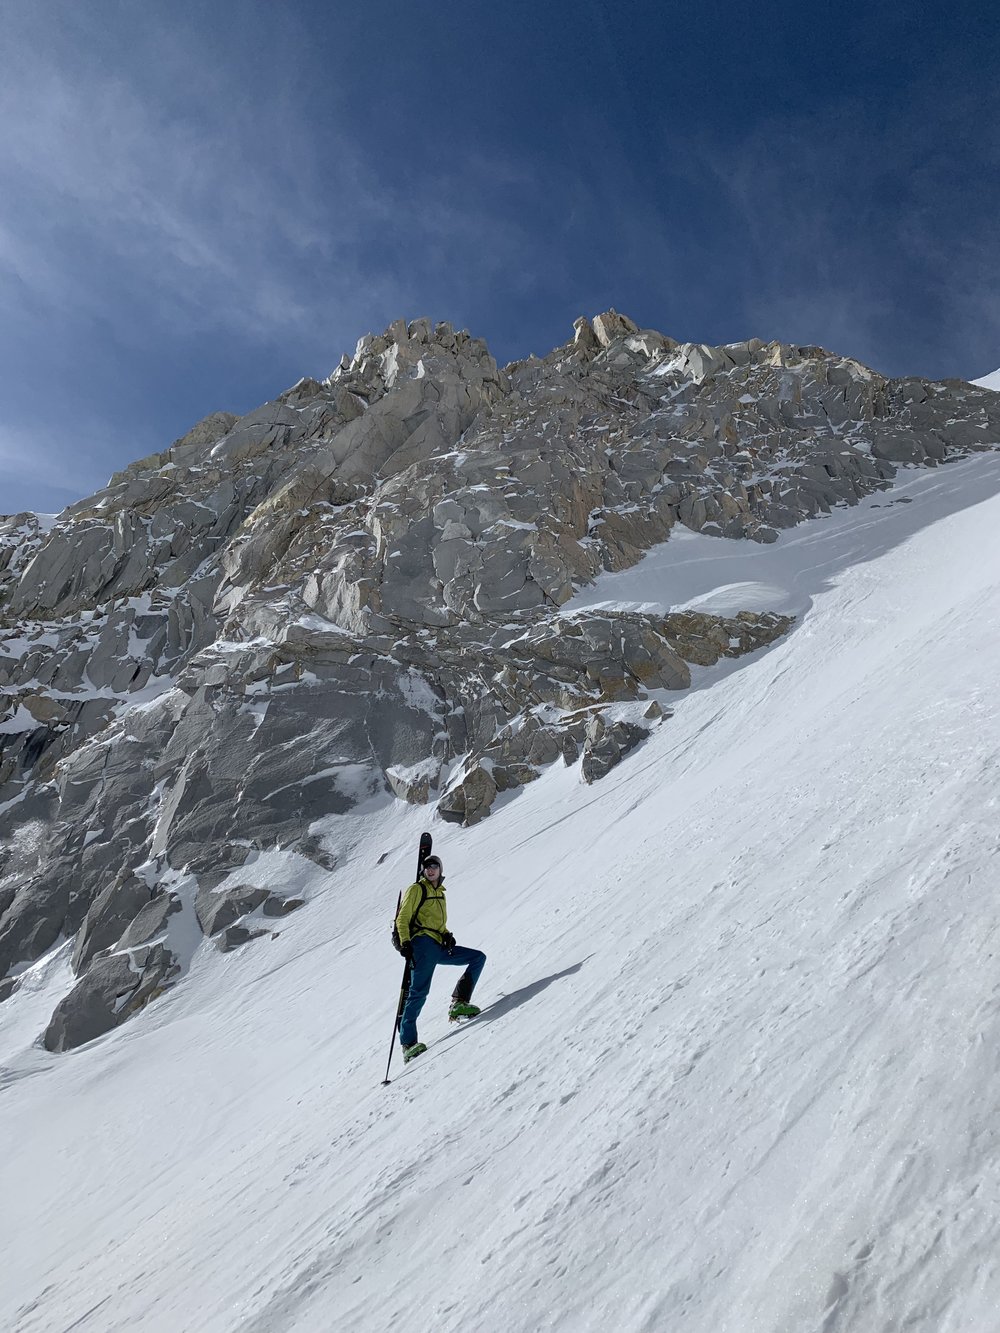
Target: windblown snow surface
x,y
739,1062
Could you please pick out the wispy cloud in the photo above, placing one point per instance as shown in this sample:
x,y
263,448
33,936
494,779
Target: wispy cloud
x,y
203,215
169,188
153,199
45,470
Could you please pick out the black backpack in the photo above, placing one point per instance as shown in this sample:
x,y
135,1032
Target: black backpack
x,y
397,943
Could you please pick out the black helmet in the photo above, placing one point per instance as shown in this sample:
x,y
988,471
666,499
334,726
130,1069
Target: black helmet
x,y
433,861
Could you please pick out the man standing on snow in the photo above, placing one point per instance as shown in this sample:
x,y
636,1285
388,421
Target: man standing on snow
x,y
425,940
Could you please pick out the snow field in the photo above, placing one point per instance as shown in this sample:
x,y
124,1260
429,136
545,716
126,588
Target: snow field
x,y
736,1066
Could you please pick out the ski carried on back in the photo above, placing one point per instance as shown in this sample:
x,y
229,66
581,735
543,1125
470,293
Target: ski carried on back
x,y
423,852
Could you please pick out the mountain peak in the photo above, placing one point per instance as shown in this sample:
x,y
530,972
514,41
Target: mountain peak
x,y
363,592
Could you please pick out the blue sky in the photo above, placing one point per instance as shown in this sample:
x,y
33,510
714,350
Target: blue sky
x,y
201,202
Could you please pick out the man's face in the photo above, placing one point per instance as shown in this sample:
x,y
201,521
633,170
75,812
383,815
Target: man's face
x,y
432,871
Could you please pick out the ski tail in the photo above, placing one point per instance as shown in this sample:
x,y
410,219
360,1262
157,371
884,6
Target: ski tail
x,y
423,852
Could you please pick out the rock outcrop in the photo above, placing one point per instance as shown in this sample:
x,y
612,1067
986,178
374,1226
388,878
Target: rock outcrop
x,y
355,591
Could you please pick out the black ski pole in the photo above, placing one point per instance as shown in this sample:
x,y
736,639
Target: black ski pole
x,y
423,852
404,990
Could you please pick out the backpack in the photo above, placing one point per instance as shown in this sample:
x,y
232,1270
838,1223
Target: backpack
x,y
397,943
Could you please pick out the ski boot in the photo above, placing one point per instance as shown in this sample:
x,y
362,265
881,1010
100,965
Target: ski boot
x,y
411,1052
462,1009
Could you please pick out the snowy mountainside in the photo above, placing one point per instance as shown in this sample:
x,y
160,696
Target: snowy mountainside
x,y
737,1061
364,587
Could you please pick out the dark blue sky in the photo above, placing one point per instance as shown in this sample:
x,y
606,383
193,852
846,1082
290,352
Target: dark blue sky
x,y
200,202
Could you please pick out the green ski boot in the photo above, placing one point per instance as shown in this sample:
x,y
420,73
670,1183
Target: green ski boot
x,y
411,1052
462,1009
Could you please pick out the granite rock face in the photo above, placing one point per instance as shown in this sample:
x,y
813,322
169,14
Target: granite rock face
x,y
355,592
112,989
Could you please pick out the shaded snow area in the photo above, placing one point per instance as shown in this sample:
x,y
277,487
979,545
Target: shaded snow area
x,y
738,1063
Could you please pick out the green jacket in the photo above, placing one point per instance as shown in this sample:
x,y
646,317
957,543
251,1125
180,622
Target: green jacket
x,y
432,917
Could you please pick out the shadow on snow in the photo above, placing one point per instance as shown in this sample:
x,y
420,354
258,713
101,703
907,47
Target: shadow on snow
x,y
513,1001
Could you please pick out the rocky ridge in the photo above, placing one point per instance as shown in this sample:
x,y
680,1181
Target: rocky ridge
x,y
355,590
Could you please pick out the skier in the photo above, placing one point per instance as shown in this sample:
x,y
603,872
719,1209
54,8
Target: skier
x,y
425,940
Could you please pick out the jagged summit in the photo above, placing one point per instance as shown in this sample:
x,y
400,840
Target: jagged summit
x,y
355,592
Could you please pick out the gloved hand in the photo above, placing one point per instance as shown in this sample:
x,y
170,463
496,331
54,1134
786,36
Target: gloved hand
x,y
448,940
406,949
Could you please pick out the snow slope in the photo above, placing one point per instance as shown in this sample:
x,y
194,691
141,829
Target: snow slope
x,y
737,1066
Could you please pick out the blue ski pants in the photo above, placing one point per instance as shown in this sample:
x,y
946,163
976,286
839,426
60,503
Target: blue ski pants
x,y
427,954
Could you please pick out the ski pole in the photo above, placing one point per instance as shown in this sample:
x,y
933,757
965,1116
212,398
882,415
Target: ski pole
x,y
404,990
